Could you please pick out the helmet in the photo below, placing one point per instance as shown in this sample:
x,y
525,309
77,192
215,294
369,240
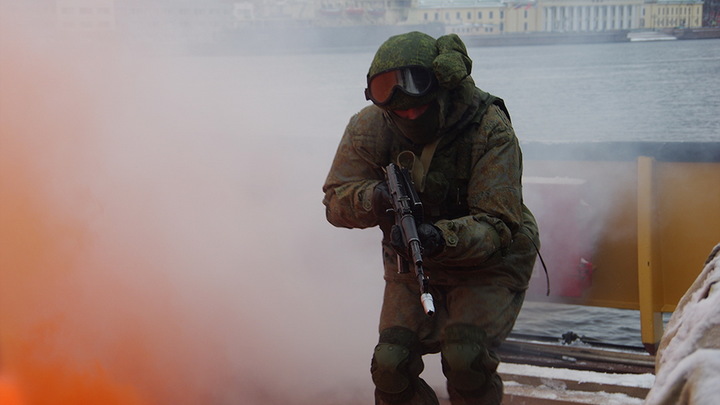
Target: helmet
x,y
408,70
400,75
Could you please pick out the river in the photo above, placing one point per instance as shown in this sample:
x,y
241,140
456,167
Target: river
x,y
664,90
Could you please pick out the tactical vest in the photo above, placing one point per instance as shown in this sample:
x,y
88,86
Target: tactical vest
x,y
446,183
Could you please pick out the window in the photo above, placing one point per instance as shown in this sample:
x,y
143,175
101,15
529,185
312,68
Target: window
x,y
490,15
479,15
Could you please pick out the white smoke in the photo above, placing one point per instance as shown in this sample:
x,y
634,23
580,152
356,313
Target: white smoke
x,y
177,241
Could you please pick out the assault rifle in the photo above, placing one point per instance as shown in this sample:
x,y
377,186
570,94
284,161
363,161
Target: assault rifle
x,y
408,213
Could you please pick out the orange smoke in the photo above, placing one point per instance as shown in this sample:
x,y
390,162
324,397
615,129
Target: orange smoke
x,y
37,251
151,250
9,392
45,120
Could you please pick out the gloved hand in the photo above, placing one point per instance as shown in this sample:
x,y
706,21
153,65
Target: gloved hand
x,y
381,200
431,239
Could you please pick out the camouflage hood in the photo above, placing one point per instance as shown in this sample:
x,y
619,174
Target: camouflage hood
x,y
453,97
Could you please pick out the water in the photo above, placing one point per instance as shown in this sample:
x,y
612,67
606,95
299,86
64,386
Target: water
x,y
617,91
659,91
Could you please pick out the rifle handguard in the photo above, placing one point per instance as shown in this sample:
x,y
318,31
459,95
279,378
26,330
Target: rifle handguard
x,y
408,213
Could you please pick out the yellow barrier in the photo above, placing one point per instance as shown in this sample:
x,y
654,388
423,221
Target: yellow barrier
x,y
623,225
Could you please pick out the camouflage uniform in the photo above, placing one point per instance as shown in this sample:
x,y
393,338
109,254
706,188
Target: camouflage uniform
x,y
473,195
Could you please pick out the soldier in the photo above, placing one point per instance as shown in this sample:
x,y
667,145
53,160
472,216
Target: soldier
x,y
479,240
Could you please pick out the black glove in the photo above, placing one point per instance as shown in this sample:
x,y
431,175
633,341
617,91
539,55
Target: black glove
x,y
381,201
431,239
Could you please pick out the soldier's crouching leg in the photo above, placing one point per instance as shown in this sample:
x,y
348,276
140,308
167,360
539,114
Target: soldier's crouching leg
x,y
470,367
396,367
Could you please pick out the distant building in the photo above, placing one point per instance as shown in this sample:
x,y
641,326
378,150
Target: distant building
x,y
522,16
590,15
189,21
488,17
85,15
660,14
203,21
468,17
711,13
361,12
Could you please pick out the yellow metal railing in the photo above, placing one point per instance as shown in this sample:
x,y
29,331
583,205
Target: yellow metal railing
x,y
648,262
624,225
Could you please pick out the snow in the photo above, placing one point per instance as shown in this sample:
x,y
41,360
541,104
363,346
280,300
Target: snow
x,y
562,395
581,376
524,381
688,361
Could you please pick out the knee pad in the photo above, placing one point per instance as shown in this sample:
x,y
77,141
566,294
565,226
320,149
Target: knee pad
x,y
387,368
395,363
466,362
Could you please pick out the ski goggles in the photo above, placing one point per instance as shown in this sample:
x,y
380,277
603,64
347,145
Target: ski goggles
x,y
414,81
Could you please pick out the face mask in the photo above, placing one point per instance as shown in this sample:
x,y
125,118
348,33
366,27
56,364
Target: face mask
x,y
422,130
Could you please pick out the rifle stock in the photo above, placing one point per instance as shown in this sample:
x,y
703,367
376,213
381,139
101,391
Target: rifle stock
x,y
408,212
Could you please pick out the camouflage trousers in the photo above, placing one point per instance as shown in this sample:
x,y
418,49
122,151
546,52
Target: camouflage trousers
x,y
469,323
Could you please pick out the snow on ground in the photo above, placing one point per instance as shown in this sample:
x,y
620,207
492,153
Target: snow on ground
x,y
581,376
688,360
560,394
573,386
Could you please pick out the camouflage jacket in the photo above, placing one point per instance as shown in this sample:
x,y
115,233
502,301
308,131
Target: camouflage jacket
x,y
473,191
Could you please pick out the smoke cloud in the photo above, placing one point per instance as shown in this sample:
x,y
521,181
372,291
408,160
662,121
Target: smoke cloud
x,y
160,243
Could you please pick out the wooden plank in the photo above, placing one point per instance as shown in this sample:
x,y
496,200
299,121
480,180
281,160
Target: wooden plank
x,y
576,357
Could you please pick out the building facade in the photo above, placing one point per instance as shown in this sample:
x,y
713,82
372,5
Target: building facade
x,y
487,17
203,20
522,16
590,15
85,15
662,14
469,17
